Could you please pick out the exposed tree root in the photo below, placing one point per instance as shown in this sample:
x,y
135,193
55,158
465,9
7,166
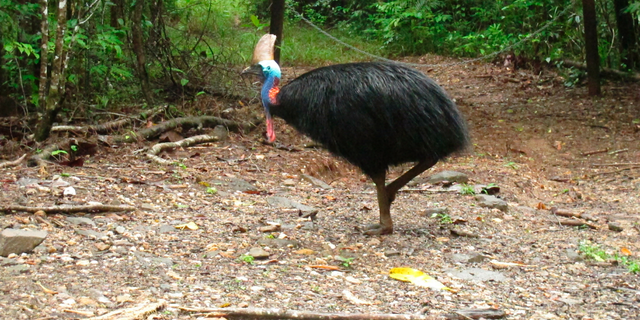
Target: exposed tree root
x,y
13,163
110,126
140,311
220,133
607,72
187,123
70,209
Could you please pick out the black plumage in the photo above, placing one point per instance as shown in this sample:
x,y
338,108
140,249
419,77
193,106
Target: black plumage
x,y
373,114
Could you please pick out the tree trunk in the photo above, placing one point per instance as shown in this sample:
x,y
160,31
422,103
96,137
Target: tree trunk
x,y
626,35
276,26
115,13
53,98
44,50
591,46
138,49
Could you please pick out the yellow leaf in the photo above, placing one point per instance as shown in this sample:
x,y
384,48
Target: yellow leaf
x,y
304,252
191,226
417,277
204,183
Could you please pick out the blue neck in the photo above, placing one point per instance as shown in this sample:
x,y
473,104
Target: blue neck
x,y
270,82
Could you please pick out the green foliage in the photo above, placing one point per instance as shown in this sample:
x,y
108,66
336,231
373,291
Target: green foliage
x,y
346,262
595,252
467,189
444,218
246,259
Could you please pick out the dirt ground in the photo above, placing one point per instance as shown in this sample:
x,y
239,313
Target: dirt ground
x,y
543,145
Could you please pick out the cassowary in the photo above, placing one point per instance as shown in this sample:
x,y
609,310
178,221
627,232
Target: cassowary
x,y
372,114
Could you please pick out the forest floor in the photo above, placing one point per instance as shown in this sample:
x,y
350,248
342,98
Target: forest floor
x,y
542,144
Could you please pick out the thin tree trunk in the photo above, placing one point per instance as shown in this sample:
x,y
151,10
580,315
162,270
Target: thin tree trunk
x,y
276,26
115,13
138,49
626,34
44,50
53,98
591,46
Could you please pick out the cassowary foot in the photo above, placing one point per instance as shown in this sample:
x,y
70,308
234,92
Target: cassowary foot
x,y
377,229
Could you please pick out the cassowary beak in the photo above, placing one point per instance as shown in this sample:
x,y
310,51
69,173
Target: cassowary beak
x,y
255,69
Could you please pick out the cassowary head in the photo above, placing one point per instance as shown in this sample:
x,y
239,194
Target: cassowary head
x,y
268,70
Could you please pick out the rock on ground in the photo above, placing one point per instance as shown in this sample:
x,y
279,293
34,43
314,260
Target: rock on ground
x,y
19,241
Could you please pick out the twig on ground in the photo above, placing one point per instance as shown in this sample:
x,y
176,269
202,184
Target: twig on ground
x,y
254,313
70,209
588,153
618,164
13,163
139,311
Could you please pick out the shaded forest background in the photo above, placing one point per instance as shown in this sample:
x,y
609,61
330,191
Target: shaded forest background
x,y
76,61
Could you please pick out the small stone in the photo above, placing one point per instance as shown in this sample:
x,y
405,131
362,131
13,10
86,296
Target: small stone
x,y
78,221
19,241
69,191
243,305
477,274
316,182
165,228
101,246
124,298
573,255
83,263
147,207
614,226
120,230
91,234
428,212
451,176
353,280
289,182
391,252
283,202
175,295
258,253
492,202
373,242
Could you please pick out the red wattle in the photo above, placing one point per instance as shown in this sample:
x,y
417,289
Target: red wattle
x,y
271,134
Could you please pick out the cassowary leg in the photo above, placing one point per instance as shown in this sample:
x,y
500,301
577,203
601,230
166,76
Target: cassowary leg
x,y
402,180
384,204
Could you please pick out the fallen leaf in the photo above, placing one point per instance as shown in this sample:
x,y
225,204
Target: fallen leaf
x,y
191,226
417,277
304,251
541,206
625,251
